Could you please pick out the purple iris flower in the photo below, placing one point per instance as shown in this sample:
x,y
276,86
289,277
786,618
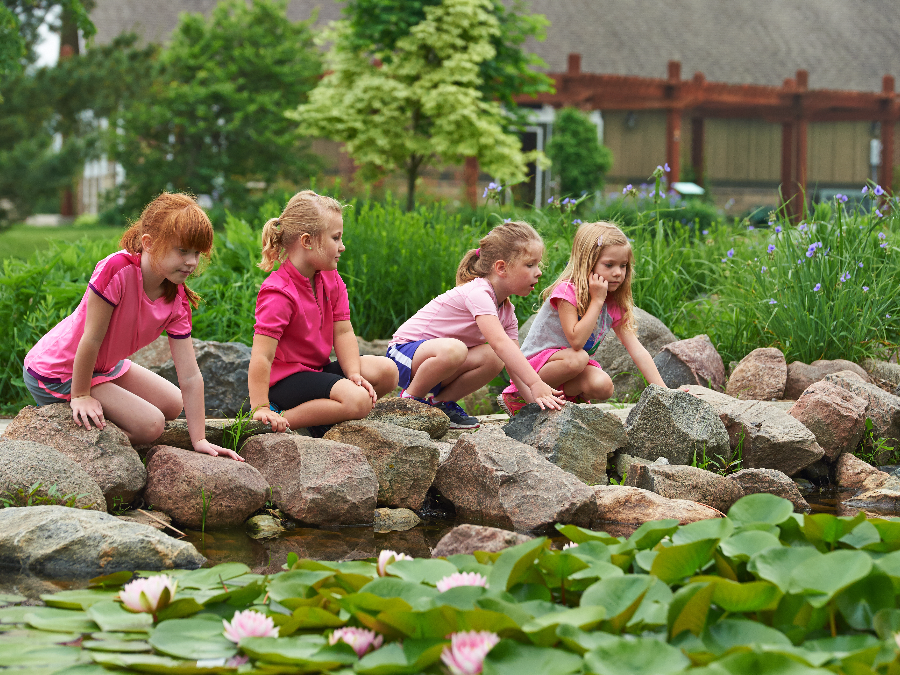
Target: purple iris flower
x,y
817,287
705,231
627,188
577,221
730,253
771,248
666,167
778,229
879,213
879,190
865,289
764,268
865,190
844,277
750,227
881,235
773,302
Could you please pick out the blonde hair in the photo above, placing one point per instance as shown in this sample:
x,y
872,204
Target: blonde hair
x,y
172,219
304,214
507,242
590,240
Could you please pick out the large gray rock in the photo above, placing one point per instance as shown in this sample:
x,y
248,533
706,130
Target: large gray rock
x,y
771,481
219,431
882,408
801,375
64,543
769,438
105,455
410,414
836,416
686,482
885,371
760,376
24,464
612,355
495,480
850,472
577,438
469,538
224,367
673,424
404,460
691,361
625,508
399,520
314,480
180,481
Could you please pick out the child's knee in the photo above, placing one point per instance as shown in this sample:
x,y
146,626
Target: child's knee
x,y
172,409
456,352
386,376
358,404
495,363
575,361
148,428
601,387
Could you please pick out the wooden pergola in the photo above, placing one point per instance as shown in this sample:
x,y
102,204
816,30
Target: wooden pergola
x,y
792,105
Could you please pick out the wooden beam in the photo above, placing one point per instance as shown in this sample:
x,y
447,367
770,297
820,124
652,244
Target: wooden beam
x,y
787,164
673,123
470,179
697,131
888,120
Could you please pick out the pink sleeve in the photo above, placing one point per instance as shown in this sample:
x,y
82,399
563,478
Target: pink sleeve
x,y
564,291
106,281
615,312
340,302
509,321
179,326
479,302
273,313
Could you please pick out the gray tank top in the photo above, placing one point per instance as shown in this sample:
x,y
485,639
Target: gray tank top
x,y
547,333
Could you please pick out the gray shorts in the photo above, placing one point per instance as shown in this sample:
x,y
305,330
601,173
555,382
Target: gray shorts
x,y
46,393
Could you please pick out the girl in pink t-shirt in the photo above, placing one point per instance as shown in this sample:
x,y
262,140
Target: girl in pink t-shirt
x,y
302,312
592,295
133,296
461,340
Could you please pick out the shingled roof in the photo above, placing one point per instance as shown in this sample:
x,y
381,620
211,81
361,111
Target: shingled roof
x,y
843,44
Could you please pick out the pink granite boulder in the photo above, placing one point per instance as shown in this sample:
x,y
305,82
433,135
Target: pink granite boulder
x,y
760,376
836,417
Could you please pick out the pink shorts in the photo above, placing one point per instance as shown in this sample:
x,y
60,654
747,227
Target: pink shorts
x,y
538,361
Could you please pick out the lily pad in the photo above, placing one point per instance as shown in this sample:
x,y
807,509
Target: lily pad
x,y
512,658
196,638
111,616
641,656
308,651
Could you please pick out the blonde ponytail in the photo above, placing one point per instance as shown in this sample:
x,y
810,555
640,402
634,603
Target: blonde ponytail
x,y
302,215
507,242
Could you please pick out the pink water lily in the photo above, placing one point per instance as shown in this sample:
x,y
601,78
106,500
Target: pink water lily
x,y
466,652
361,639
572,544
249,623
462,579
386,557
149,594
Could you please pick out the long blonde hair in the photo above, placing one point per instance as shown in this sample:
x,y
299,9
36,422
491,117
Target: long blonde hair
x,y
590,240
304,214
172,219
507,242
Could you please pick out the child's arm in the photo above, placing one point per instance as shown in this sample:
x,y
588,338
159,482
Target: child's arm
x,y
639,355
191,382
516,363
346,349
261,356
578,331
85,406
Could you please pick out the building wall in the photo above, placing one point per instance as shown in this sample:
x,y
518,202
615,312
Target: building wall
x,y
637,141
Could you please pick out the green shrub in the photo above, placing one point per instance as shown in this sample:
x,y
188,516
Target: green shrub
x,y
579,159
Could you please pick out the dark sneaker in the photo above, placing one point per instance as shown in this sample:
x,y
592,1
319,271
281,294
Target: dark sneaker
x,y
458,417
425,401
511,404
319,430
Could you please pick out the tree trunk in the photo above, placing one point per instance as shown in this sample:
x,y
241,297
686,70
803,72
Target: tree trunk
x,y
68,47
412,173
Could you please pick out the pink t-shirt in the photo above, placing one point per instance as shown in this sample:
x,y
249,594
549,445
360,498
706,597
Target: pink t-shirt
x,y
566,290
136,321
303,323
452,314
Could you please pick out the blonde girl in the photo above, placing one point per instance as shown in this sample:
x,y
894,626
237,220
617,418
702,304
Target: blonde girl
x,y
133,296
461,340
592,295
302,312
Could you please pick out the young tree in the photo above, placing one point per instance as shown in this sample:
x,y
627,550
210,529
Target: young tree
x,y
404,94
213,119
579,159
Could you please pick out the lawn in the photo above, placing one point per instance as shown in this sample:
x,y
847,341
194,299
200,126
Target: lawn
x,y
21,240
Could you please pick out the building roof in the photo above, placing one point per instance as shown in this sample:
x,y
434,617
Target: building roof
x,y
843,44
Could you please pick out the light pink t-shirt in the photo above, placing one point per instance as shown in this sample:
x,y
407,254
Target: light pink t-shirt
x,y
303,323
136,321
452,315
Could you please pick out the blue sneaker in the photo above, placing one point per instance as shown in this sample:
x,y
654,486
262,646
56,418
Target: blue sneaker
x,y
459,419
423,401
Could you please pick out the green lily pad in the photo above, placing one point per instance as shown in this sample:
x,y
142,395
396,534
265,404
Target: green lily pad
x,y
711,528
542,630
619,596
778,564
200,637
641,656
649,534
11,598
677,562
80,599
421,570
60,620
579,535
514,564
512,658
754,663
598,570
821,578
413,656
114,580
152,663
744,545
124,646
112,616
760,508
212,577
38,655
311,651
723,636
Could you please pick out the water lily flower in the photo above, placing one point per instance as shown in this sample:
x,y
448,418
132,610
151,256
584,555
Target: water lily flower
x,y
466,652
571,544
361,639
386,557
150,594
771,248
249,623
817,287
462,579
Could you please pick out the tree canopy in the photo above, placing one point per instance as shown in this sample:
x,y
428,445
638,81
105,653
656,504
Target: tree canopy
x,y
403,91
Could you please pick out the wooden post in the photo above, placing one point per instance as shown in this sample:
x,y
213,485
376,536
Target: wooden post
x,y
787,164
697,130
886,175
574,64
801,160
673,123
470,178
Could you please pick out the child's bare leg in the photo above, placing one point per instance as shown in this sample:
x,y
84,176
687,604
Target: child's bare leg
x,y
347,401
563,367
139,403
592,383
480,367
437,360
380,372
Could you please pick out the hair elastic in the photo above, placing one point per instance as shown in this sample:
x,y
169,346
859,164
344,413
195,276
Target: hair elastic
x,y
478,252
600,241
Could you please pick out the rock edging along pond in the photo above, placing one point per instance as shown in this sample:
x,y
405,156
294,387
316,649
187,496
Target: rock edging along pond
x,y
761,590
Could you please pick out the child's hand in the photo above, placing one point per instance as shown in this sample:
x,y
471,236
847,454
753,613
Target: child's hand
x,y
360,381
88,408
272,418
207,448
547,397
597,287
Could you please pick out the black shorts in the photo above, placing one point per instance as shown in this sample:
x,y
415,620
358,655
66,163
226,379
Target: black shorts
x,y
305,386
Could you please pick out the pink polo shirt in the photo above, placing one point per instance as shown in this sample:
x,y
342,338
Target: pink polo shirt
x,y
303,323
136,321
452,314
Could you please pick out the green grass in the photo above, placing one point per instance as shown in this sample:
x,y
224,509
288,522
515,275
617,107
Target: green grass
x,y
21,240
